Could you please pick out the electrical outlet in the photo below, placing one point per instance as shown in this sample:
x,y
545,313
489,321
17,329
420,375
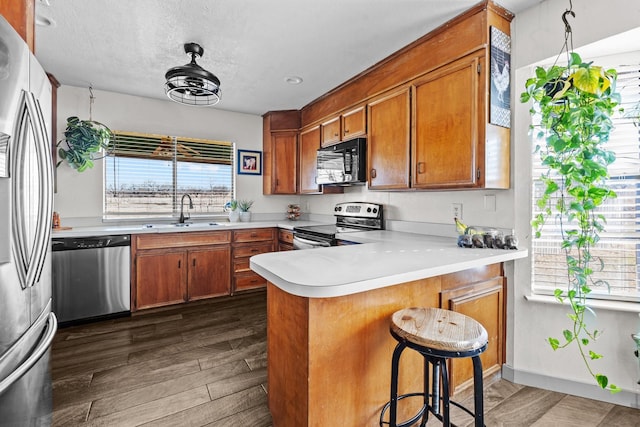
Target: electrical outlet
x,y
456,210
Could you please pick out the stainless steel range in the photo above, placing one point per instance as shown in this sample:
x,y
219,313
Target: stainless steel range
x,y
350,217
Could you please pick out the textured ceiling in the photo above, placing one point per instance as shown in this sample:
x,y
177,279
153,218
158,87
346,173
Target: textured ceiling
x,y
250,45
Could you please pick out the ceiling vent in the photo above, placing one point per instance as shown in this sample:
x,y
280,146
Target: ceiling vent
x,y
191,84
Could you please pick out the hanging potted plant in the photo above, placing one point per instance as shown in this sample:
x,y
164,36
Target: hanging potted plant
x,y
574,105
84,140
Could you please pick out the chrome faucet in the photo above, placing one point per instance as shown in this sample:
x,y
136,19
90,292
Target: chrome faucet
x,y
182,218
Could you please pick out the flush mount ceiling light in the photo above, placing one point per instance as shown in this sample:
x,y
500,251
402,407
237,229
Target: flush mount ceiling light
x,y
293,80
191,84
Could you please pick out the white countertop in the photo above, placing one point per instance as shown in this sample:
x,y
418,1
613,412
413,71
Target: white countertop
x,y
383,259
115,229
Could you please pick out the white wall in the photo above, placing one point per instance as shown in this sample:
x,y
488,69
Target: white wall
x,y
537,35
79,195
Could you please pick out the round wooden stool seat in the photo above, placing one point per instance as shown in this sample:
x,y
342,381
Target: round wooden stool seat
x,y
439,329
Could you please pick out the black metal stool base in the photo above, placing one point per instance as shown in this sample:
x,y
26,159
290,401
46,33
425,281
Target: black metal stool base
x,y
436,359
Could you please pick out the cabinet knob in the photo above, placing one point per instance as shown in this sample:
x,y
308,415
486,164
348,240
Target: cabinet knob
x,y
373,173
335,134
420,167
346,131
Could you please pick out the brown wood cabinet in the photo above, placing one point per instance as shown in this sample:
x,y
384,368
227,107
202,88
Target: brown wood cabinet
x,y
348,125
309,145
388,145
171,268
247,243
331,132
478,293
441,136
446,139
21,15
285,240
280,152
285,160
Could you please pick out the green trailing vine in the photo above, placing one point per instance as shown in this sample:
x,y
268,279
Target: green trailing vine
x,y
575,104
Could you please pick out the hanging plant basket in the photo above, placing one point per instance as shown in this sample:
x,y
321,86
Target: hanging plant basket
x,y
84,141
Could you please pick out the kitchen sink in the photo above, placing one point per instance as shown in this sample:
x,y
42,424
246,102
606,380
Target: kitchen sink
x,y
185,225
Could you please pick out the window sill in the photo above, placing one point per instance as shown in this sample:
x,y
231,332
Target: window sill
x,y
624,306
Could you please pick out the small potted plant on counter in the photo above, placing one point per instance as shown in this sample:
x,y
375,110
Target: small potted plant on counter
x,y
232,207
245,205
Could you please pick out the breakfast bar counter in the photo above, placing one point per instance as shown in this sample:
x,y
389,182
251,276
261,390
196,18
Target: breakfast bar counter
x,y
329,347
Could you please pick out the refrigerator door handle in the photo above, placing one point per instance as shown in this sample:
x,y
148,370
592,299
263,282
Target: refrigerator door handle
x,y
31,246
40,350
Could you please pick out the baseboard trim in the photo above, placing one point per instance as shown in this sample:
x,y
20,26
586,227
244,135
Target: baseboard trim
x,y
589,391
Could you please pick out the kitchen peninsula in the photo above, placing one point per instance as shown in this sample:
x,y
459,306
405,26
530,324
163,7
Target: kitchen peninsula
x,y
329,348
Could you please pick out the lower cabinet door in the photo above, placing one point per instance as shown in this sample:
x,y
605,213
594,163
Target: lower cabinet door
x,y
483,302
161,279
209,272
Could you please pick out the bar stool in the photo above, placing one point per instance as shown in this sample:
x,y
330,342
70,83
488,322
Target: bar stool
x,y
438,335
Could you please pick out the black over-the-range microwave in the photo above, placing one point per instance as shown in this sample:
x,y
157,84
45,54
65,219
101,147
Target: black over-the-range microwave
x,y
343,163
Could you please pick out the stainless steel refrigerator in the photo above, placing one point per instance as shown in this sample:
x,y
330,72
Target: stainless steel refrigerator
x,y
27,325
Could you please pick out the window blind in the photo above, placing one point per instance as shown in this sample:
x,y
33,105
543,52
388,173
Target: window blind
x,y
618,248
147,175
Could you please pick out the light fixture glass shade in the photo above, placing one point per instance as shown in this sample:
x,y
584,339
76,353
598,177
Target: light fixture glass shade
x,y
191,84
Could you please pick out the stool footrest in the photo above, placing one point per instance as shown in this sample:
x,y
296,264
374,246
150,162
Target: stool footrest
x,y
420,413
411,420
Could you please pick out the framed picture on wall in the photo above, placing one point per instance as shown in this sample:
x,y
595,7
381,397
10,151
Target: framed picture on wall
x,y
249,162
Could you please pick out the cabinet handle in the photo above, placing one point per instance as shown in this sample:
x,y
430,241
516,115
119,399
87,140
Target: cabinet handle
x,y
254,234
194,262
420,167
179,263
346,131
335,134
373,173
254,250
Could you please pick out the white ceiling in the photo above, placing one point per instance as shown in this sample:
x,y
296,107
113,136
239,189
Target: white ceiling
x,y
127,46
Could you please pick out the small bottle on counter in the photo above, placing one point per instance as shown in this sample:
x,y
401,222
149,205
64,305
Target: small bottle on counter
x,y
56,220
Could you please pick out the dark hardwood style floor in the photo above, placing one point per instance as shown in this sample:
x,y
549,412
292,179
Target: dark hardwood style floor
x,y
204,364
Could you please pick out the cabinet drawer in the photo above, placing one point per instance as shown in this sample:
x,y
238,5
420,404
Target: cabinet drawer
x,y
249,280
180,240
253,234
241,264
253,249
285,236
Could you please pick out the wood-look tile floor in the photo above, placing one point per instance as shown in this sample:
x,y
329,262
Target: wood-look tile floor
x,y
204,364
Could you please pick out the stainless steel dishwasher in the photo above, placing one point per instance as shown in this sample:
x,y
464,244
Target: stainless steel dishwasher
x,y
91,277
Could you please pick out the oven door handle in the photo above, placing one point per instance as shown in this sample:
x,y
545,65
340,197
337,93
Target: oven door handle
x,y
314,243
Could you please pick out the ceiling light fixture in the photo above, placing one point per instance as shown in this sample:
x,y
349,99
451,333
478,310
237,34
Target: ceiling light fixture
x,y
191,84
293,80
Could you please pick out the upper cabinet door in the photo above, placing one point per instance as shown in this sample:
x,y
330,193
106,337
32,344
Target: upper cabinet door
x,y
445,127
309,145
285,159
354,123
389,141
331,132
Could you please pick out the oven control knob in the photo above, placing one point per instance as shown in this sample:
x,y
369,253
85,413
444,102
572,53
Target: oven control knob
x,y
368,209
375,210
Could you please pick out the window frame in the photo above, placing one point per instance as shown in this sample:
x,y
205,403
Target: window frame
x,y
134,145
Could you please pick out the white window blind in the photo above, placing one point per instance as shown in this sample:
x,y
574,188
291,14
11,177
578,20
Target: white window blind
x,y
146,175
619,245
